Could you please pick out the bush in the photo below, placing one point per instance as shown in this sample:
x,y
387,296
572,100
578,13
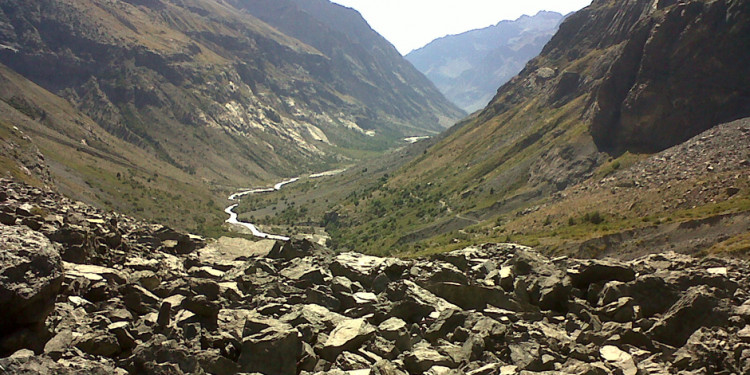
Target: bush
x,y
594,218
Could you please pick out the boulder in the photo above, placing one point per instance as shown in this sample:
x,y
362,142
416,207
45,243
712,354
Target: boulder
x,y
620,359
395,331
99,343
587,272
421,359
385,368
274,350
364,268
292,249
42,365
699,307
31,275
160,355
348,335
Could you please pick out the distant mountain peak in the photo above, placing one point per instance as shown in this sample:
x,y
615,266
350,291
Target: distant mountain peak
x,y
469,67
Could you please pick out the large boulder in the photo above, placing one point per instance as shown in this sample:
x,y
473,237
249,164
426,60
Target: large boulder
x,y
587,272
273,351
31,275
348,335
699,307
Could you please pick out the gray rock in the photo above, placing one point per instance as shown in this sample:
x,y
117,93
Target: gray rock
x,y
699,307
212,362
99,343
31,275
421,359
385,368
139,299
587,272
620,359
348,335
274,350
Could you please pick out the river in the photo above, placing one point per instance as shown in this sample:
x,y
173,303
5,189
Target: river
x,y
252,227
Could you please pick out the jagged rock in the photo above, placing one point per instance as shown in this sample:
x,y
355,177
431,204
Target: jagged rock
x,y
160,355
292,249
414,302
421,359
274,350
317,316
385,368
396,331
202,306
214,363
364,268
623,310
59,344
303,273
348,335
699,307
124,337
594,271
619,359
94,273
472,297
31,275
40,365
99,343
139,299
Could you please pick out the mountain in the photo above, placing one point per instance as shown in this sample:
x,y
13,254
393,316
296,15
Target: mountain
x,y
47,142
363,63
202,93
469,67
618,82
211,89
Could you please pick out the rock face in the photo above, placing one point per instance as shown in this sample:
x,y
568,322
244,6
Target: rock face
x,y
665,55
469,67
31,275
142,308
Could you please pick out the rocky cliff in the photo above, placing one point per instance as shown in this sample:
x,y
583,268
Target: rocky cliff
x,y
619,78
469,67
82,291
213,90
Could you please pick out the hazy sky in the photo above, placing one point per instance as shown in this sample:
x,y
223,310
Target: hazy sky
x,y
410,24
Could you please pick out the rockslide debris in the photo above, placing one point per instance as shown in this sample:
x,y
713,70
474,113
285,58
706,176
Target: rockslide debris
x,y
82,291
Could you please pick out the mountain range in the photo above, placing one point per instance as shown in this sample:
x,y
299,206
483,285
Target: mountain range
x,y
209,93
469,67
618,82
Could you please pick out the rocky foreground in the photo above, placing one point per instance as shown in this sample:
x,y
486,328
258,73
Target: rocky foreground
x,y
82,291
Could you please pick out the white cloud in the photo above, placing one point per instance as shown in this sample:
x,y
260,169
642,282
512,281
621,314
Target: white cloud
x,y
410,24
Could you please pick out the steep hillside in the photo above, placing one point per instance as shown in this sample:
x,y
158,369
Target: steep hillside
x,y
633,76
210,89
363,63
468,68
45,141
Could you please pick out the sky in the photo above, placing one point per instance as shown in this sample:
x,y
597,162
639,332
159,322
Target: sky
x,y
411,24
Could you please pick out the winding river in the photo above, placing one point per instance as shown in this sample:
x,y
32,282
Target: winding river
x,y
252,227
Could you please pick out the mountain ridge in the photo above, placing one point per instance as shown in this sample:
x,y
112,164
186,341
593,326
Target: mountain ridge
x,y
469,67
540,134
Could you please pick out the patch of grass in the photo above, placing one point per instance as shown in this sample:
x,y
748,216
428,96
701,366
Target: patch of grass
x,y
737,246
